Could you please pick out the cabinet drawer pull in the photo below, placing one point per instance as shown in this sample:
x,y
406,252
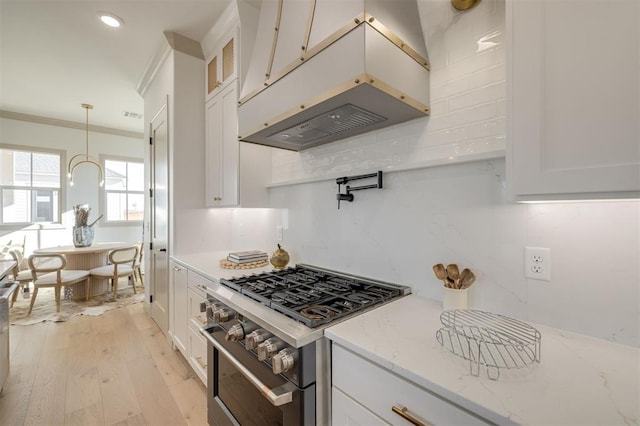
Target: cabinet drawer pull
x,y
203,365
402,412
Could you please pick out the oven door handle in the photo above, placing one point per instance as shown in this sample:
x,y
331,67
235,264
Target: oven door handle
x,y
277,396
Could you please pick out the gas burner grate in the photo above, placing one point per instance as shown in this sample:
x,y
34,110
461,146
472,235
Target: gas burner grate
x,y
313,296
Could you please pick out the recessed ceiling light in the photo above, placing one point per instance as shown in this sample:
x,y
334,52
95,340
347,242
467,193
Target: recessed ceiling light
x,y
110,19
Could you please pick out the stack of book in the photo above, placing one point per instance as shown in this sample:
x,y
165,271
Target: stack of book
x,y
249,256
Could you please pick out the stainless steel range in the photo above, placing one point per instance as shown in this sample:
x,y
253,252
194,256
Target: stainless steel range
x,y
269,363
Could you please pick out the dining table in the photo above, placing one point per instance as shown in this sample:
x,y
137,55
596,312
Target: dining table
x,y
86,258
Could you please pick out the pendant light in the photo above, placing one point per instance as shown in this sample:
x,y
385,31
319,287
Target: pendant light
x,y
77,160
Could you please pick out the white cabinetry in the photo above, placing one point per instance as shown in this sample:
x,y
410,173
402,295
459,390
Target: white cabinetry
x,y
573,72
222,64
236,173
197,319
372,401
222,148
189,291
179,331
346,411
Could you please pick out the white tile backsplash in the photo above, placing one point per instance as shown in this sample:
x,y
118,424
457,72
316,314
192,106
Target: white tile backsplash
x,y
444,87
480,95
473,114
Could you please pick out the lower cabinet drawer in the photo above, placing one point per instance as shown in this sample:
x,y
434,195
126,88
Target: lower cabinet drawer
x,y
199,284
380,390
346,411
198,354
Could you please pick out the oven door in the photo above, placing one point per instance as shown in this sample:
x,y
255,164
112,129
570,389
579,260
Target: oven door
x,y
244,391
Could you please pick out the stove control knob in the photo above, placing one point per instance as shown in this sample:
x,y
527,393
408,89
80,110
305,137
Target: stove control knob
x,y
211,307
253,339
268,348
239,331
283,361
235,333
223,314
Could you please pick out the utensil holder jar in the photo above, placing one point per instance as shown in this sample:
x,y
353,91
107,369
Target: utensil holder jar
x,y
453,298
83,236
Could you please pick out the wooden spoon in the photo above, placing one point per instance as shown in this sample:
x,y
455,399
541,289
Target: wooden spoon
x,y
467,280
441,273
454,274
463,274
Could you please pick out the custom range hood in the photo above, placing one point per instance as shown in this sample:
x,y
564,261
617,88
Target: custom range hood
x,y
324,70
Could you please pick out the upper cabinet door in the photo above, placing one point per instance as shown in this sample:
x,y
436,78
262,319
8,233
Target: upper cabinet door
x,y
222,65
573,73
222,149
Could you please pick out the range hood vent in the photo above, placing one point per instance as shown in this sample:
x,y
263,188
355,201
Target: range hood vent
x,y
351,67
347,118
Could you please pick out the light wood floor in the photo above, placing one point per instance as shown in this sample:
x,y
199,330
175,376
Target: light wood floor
x,y
113,369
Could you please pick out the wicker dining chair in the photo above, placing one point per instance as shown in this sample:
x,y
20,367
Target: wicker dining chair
x,y
121,263
47,270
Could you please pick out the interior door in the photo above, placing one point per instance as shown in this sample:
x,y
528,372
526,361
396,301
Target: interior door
x,y
159,223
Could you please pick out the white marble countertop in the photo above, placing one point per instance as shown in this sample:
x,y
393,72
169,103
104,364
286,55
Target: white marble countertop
x,y
208,264
580,380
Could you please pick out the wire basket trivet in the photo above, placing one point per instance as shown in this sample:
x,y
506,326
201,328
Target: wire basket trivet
x,y
491,340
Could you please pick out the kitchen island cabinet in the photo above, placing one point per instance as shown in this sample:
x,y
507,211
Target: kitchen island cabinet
x,y
579,380
573,96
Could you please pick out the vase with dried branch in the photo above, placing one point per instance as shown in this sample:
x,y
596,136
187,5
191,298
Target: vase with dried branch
x,y
83,233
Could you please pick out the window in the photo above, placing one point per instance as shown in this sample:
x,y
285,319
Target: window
x,y
124,190
30,185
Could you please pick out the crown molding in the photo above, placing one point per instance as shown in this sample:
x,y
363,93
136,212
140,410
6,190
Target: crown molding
x,y
227,20
69,124
170,41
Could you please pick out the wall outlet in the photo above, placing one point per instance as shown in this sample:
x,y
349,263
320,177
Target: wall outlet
x,y
537,263
279,234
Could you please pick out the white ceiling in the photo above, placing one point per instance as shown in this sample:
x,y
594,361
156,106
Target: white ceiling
x,y
56,55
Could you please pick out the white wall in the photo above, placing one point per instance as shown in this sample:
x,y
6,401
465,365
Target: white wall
x,y
86,188
230,229
459,212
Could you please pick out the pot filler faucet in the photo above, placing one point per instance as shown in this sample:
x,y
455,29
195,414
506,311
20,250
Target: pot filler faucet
x,y
349,196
